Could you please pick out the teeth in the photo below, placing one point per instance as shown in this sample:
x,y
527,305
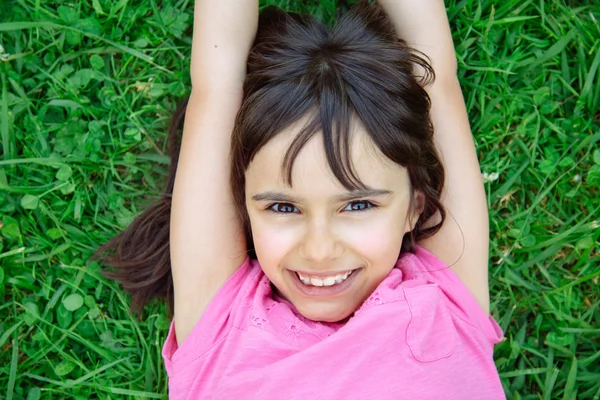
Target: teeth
x,y
316,282
328,281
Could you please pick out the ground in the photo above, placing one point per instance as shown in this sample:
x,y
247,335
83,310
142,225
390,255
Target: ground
x,y
87,88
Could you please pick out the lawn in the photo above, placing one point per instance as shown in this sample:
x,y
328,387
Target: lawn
x,y
87,88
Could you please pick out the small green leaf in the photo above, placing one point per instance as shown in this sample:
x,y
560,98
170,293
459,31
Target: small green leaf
x,y
541,94
32,313
64,103
10,228
133,133
95,127
97,62
548,107
157,90
67,188
30,202
94,311
129,158
97,7
561,340
73,38
68,14
514,233
73,302
64,367
64,173
34,394
585,243
90,25
571,193
89,301
593,175
141,42
108,340
54,233
82,77
546,166
64,317
597,156
528,241
162,322
566,161
64,71
107,96
1,275
87,329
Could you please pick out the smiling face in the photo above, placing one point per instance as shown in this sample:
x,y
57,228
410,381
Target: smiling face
x,y
326,249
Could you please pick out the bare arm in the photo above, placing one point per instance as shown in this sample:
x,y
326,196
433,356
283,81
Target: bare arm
x,y
207,242
424,25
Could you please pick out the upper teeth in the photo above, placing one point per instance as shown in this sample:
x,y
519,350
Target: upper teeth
x,y
327,281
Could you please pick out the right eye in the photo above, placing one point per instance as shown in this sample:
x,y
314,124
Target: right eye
x,y
283,208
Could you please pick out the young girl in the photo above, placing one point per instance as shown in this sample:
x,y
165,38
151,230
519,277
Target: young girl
x,y
309,245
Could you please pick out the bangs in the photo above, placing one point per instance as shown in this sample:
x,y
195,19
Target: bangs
x,y
333,121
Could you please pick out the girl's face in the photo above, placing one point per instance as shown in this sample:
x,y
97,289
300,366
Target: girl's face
x,y
324,248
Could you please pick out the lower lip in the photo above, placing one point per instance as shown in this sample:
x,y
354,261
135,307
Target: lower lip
x,y
323,291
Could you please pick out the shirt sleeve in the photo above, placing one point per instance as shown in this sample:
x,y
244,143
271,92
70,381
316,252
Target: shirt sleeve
x,y
216,321
462,302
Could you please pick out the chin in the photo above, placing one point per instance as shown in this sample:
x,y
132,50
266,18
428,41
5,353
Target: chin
x,y
324,313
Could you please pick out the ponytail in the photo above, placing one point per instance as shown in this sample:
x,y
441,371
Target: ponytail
x,y
139,258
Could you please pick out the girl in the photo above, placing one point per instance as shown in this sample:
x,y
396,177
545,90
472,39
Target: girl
x,y
309,244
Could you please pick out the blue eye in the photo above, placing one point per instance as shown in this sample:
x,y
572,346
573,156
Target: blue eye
x,y
283,208
361,205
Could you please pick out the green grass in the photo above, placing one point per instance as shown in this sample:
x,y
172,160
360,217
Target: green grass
x,y
86,92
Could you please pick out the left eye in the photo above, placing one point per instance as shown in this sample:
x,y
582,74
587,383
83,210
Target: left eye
x,y
359,205
283,208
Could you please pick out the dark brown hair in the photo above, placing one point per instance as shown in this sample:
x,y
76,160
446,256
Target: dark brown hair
x,y
298,67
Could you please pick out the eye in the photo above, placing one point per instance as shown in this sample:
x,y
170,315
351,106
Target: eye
x,y
361,205
283,208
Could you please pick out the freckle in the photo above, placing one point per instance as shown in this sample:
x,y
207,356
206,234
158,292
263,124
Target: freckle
x,y
215,46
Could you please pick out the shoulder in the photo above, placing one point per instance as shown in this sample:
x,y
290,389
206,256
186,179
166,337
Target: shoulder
x,y
427,267
227,309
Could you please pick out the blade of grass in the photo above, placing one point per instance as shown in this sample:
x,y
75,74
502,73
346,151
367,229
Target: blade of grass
x,y
6,142
12,375
11,26
553,51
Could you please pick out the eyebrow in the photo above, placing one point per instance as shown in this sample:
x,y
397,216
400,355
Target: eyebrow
x,y
353,195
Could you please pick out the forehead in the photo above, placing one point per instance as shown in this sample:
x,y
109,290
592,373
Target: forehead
x,y
311,172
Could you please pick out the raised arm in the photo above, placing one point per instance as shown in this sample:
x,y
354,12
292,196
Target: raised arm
x,y
424,25
207,241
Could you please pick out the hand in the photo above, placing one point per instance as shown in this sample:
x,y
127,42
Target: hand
x,y
224,31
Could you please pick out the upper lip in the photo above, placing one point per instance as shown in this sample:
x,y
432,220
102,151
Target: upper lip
x,y
324,274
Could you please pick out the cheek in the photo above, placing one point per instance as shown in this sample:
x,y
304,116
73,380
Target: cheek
x,y
272,242
376,239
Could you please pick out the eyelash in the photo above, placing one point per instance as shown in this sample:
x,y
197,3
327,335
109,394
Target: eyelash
x,y
368,205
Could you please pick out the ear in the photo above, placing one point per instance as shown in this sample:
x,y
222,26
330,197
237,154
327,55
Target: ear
x,y
416,208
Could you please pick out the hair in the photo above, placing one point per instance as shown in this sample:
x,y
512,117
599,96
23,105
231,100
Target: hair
x,y
297,67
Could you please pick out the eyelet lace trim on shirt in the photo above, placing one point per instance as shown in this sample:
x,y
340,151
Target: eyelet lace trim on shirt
x,y
257,321
294,331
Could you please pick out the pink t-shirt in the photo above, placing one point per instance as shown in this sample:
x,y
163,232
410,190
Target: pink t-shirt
x,y
421,335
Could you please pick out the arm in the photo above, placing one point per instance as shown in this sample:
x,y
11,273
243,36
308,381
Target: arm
x,y
206,237
424,25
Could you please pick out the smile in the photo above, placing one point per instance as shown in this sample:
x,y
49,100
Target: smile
x,y
324,286
324,281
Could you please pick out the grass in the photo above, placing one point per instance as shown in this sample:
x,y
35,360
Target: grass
x,y
86,92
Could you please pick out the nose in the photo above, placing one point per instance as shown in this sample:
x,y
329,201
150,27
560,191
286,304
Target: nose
x,y
320,243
